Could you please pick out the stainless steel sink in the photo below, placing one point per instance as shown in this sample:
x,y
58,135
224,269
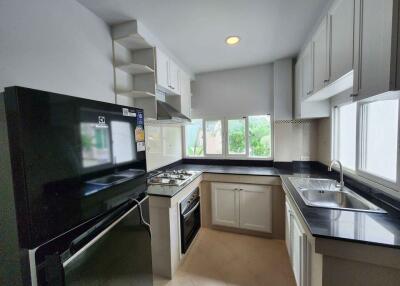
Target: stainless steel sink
x,y
326,193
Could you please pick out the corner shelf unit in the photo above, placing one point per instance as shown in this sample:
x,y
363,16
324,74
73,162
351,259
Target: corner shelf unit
x,y
136,94
132,41
134,68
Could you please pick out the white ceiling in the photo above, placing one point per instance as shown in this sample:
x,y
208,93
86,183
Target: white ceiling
x,y
194,31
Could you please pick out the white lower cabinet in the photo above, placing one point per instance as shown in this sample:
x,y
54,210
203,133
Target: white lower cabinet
x,y
242,206
225,205
298,247
287,227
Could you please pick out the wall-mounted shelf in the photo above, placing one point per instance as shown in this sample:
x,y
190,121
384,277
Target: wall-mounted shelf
x,y
133,42
136,94
135,69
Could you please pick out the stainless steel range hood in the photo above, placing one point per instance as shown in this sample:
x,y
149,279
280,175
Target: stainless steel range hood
x,y
166,112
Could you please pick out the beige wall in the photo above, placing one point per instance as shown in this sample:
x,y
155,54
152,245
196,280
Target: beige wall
x,y
324,140
302,140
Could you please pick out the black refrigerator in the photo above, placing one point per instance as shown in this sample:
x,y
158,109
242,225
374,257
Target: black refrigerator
x,y
78,183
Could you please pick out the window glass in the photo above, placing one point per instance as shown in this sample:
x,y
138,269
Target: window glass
x,y
237,136
345,133
194,138
260,136
379,138
214,137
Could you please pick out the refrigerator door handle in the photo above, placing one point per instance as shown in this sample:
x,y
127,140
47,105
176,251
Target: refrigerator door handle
x,y
84,238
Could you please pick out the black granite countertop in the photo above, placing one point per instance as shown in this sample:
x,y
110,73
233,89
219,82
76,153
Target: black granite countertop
x,y
170,191
232,170
381,229
361,227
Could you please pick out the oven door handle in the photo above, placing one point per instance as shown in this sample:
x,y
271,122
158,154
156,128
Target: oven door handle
x,y
192,210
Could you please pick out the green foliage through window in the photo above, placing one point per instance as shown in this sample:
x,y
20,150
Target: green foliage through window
x,y
236,136
194,138
260,136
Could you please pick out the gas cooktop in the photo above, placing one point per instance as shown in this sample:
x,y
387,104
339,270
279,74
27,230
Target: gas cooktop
x,y
171,177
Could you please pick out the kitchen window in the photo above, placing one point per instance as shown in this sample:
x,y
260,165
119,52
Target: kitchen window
x,y
366,140
260,136
345,131
237,136
214,137
243,137
194,138
379,137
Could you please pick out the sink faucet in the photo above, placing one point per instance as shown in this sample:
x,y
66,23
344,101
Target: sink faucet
x,y
333,162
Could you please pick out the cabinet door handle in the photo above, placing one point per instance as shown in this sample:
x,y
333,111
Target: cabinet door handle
x,y
353,94
326,81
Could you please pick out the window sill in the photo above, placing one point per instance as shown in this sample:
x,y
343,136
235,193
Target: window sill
x,y
371,181
232,158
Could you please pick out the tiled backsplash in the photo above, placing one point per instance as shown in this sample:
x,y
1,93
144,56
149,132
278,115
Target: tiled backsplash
x,y
295,140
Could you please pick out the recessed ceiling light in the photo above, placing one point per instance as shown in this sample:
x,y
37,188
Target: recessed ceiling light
x,y
232,40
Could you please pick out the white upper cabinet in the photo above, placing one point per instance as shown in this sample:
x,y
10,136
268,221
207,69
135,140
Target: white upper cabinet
x,y
376,47
354,50
162,67
168,74
298,86
304,87
321,55
307,71
174,82
341,18
173,77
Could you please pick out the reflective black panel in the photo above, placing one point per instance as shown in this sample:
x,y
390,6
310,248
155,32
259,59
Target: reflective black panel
x,y
71,157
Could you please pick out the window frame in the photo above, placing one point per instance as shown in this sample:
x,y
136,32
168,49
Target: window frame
x,y
246,138
184,141
361,118
334,127
225,154
206,154
272,138
369,178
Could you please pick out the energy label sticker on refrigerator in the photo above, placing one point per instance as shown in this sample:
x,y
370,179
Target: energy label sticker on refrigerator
x,y
139,134
127,112
140,146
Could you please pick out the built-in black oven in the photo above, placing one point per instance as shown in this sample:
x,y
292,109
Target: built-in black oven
x,y
190,219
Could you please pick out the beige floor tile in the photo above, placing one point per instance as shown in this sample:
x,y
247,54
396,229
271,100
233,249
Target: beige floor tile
x,y
226,259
